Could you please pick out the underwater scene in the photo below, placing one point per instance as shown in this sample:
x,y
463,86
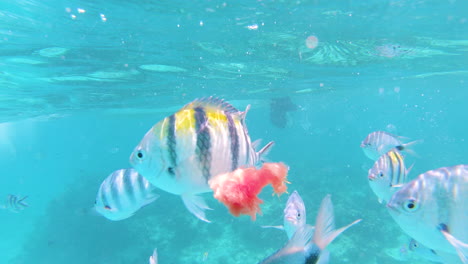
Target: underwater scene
x,y
233,132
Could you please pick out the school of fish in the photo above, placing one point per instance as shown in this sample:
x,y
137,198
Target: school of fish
x,y
432,208
206,144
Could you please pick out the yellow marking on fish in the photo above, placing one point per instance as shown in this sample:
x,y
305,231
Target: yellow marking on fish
x,y
216,119
185,120
393,157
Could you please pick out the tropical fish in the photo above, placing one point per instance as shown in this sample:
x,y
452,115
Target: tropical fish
x,y
433,209
294,215
423,251
154,258
182,152
123,193
307,246
380,142
15,204
387,175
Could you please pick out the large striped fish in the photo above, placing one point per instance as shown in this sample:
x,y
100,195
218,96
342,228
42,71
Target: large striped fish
x,y
123,193
387,175
182,152
433,209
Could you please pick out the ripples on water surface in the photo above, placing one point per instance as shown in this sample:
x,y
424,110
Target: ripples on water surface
x,y
82,81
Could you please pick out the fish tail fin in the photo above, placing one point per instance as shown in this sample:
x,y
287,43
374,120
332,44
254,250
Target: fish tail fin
x,y
325,231
22,202
153,259
408,147
196,205
462,248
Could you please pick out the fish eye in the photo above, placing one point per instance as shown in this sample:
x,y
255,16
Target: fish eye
x,y
140,154
381,174
299,215
410,205
107,207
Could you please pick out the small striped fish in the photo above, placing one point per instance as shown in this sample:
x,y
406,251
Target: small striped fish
x,y
433,209
387,175
123,193
15,204
380,142
182,152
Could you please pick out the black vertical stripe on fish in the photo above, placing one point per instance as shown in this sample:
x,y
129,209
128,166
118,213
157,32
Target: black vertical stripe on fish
x,y
104,199
141,183
171,143
203,142
114,191
234,142
248,158
128,186
392,167
401,169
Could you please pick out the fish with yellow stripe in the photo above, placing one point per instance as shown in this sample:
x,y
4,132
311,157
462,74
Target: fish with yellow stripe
x,y
182,152
388,174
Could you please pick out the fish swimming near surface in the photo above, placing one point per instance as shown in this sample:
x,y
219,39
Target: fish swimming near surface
x,y
387,175
294,215
423,251
279,108
182,152
433,209
307,246
123,193
14,203
380,142
154,258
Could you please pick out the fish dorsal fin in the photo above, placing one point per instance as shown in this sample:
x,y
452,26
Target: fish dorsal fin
x,y
213,103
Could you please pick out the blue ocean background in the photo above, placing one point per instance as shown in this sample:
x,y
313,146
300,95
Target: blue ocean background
x,y
82,82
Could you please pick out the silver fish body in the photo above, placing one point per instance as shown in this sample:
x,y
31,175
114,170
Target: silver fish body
x,y
182,152
294,214
433,209
123,193
387,175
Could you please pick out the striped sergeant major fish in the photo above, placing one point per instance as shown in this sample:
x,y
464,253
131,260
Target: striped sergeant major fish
x,y
380,142
15,204
123,193
387,175
307,246
182,152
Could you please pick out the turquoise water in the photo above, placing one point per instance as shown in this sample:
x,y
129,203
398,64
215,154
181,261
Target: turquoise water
x,y
82,81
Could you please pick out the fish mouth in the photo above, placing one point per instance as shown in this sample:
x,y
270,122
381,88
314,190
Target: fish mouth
x,y
371,177
290,219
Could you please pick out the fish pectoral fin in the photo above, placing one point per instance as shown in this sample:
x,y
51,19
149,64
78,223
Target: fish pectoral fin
x,y
460,247
280,227
196,205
